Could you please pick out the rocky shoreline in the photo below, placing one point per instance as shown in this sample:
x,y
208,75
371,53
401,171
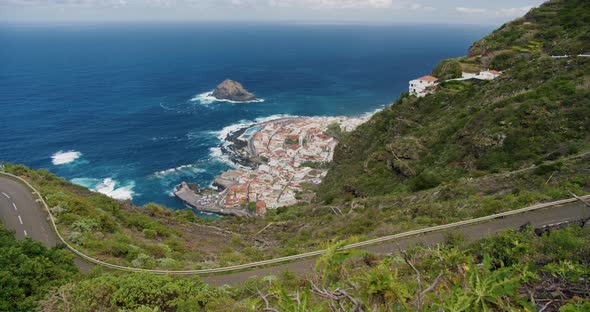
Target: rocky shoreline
x,y
237,150
194,196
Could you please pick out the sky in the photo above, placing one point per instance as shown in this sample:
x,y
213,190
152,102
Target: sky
x,y
312,11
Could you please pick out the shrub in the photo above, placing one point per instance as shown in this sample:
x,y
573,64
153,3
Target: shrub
x,y
150,234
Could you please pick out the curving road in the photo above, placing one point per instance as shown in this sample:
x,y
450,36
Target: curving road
x,y
547,216
22,213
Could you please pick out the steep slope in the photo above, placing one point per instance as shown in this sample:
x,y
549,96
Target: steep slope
x,y
539,109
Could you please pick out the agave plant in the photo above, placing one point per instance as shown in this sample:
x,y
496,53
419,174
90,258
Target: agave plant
x,y
383,286
485,289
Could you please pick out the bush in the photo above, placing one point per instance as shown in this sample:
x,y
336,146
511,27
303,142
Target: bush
x,y
425,180
150,234
447,69
28,270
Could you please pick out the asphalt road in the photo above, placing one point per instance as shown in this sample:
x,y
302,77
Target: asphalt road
x,y
20,212
538,218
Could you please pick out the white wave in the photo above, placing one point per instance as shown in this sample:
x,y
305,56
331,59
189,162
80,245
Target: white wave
x,y
244,123
164,138
217,154
208,98
88,183
184,168
108,187
166,107
370,114
61,157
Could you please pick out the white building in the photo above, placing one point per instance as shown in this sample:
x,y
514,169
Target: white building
x,y
468,76
482,75
419,87
489,74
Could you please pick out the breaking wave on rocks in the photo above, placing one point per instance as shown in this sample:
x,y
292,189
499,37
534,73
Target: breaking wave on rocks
x,y
217,152
228,130
108,187
190,169
208,98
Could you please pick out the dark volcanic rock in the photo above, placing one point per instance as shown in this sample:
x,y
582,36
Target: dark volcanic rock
x,y
233,91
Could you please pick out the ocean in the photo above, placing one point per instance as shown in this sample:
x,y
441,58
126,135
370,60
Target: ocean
x,y
122,108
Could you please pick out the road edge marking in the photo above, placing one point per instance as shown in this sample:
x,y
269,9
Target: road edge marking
x,y
298,256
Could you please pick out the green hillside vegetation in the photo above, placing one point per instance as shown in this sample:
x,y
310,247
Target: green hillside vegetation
x,y
155,237
472,149
538,110
557,27
501,273
28,270
118,232
420,162
449,69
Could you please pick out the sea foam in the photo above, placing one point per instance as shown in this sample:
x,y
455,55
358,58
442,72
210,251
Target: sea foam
x,y
191,169
108,187
61,157
217,153
244,123
208,98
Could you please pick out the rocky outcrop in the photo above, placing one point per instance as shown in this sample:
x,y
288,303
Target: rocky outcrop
x,y
233,91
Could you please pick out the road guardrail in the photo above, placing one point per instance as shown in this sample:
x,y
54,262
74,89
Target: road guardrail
x,y
310,254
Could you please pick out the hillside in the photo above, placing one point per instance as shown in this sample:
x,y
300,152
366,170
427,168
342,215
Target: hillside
x,y
473,148
451,156
539,109
502,273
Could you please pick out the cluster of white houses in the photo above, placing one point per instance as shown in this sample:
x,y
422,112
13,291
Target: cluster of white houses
x,y
426,84
288,147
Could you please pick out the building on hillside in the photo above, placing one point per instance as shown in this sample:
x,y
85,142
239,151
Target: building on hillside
x,y
489,74
422,86
466,76
482,75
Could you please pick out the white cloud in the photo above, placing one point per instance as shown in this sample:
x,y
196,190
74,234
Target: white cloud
x,y
514,12
471,10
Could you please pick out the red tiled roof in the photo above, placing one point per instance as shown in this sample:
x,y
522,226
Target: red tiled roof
x,y
428,78
495,72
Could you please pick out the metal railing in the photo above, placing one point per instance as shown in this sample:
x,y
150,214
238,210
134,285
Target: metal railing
x,y
293,257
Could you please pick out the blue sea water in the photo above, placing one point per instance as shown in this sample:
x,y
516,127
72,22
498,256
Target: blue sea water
x,y
118,106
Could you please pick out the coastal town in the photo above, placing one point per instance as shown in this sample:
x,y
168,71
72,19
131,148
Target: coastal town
x,y
285,155
280,159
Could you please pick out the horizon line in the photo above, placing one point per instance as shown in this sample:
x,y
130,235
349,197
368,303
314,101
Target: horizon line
x,y
252,22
